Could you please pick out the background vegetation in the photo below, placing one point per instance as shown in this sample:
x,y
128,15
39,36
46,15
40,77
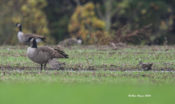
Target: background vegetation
x,y
95,21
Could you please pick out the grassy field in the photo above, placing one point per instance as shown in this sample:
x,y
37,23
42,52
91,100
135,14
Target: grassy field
x,y
92,75
98,58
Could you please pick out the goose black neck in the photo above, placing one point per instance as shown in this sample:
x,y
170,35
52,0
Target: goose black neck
x,y
20,28
34,44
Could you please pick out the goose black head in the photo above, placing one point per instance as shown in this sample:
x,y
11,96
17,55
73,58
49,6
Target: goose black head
x,y
33,43
19,26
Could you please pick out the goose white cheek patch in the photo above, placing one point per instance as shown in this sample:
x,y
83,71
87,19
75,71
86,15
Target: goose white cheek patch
x,y
38,40
79,41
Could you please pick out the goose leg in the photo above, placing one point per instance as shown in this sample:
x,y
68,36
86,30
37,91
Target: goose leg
x,y
44,66
41,67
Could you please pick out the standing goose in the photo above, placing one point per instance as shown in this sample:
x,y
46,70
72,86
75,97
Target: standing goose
x,y
25,38
42,55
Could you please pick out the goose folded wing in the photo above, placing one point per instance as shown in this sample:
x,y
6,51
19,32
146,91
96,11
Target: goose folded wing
x,y
29,36
60,51
50,52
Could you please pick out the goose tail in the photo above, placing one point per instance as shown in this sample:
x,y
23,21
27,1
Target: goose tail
x,y
58,49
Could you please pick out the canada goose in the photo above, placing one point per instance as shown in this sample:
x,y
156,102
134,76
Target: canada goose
x,y
116,46
42,55
146,66
71,42
25,38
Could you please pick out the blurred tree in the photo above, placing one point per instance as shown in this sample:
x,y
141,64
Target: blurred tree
x,y
105,10
138,14
57,18
116,13
26,12
58,14
84,23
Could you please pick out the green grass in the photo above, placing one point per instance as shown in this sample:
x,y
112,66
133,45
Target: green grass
x,y
97,58
77,85
55,93
99,87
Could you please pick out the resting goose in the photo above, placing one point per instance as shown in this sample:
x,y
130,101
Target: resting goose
x,y
25,38
146,66
42,55
71,42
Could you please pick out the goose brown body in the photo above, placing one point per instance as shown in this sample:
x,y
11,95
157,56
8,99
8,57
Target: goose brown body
x,y
42,55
